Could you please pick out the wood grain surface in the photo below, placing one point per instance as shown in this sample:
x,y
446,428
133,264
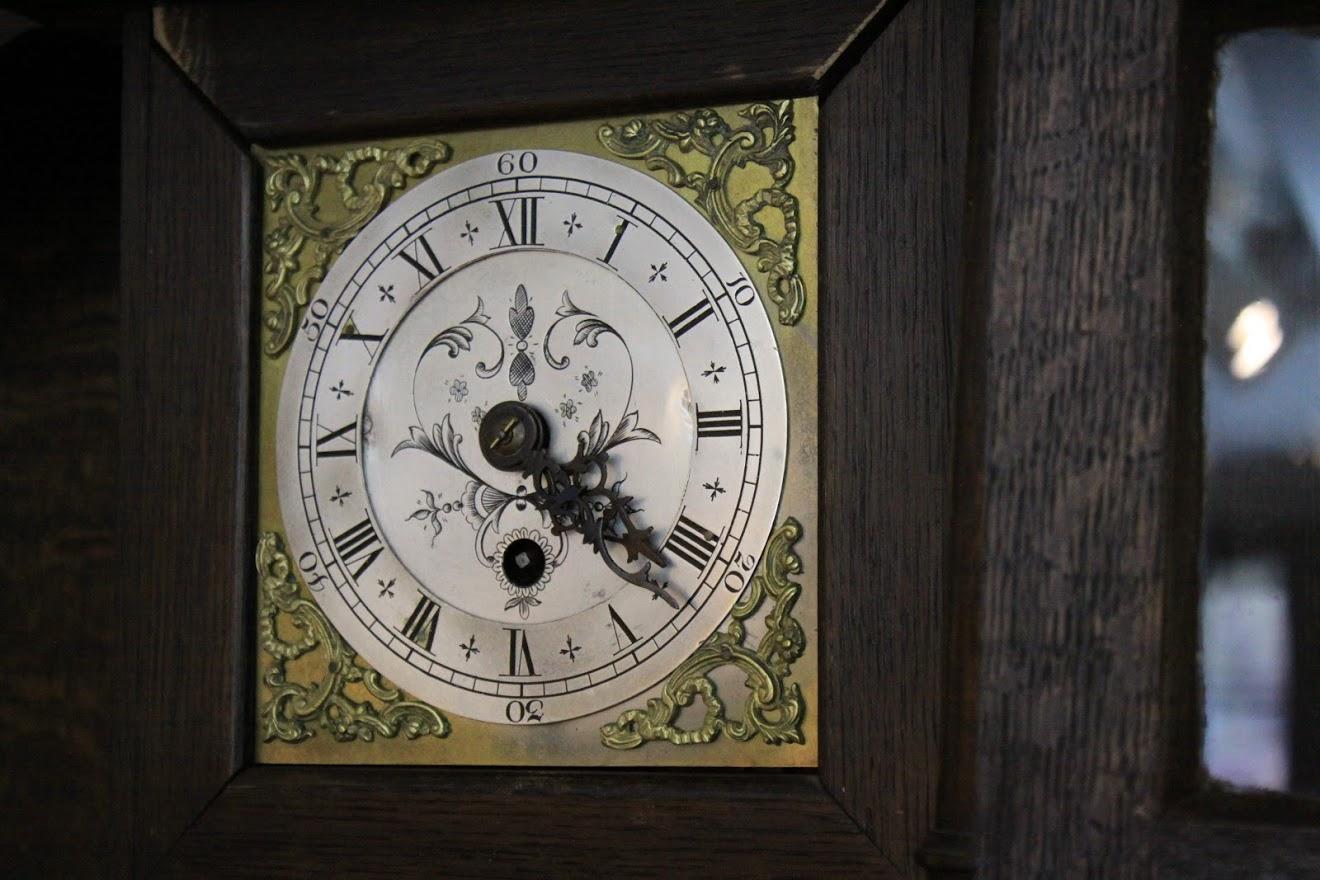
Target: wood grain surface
x,y
286,71
1192,848
1079,378
426,822
894,151
184,535
58,447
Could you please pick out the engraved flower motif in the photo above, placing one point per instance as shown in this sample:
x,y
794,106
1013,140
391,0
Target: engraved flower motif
x,y
523,597
458,390
568,409
432,513
589,380
477,415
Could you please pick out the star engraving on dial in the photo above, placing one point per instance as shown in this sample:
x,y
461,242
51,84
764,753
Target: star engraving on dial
x,y
340,496
570,650
714,488
469,232
658,272
572,223
469,648
386,292
386,587
713,373
340,390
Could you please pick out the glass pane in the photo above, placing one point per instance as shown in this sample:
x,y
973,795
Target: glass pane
x,y
1260,607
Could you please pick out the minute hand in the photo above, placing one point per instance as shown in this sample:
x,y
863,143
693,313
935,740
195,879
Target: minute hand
x,y
577,496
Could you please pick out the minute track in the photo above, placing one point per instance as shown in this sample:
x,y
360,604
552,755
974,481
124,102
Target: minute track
x,y
662,640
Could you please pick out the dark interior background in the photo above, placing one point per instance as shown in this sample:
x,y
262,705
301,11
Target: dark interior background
x,y
59,242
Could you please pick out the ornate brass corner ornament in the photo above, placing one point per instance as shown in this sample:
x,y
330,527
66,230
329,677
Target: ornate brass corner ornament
x,y
763,140
774,708
292,706
310,229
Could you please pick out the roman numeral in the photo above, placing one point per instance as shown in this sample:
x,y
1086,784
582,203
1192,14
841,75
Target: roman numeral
x,y
719,423
691,318
370,341
524,230
621,630
618,237
520,653
419,628
421,256
340,443
692,542
359,545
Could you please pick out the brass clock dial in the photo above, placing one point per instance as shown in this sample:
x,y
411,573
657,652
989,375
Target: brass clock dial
x,y
601,308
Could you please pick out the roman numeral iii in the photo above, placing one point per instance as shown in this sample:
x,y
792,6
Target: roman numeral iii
x,y
719,422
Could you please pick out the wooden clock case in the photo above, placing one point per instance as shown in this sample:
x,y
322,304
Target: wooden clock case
x,y
1008,466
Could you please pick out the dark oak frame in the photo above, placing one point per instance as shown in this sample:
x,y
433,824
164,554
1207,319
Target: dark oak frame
x,y
210,82
1011,229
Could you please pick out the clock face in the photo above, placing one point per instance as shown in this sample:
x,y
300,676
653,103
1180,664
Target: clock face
x,y
597,299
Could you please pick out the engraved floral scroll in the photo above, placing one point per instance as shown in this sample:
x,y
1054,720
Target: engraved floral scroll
x,y
293,707
309,227
773,708
762,140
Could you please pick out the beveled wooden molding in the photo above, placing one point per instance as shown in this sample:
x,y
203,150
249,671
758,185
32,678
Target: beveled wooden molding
x,y
183,620
411,66
894,133
873,802
274,821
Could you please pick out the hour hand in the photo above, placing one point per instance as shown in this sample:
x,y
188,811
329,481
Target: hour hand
x,y
576,495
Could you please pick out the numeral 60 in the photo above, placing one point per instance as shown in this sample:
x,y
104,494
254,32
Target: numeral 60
x,y
524,162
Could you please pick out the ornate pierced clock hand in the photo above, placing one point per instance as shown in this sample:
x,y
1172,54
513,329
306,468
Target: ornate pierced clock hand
x,y
576,495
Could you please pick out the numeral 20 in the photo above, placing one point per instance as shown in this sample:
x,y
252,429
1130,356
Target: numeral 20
x,y
524,162
736,580
518,711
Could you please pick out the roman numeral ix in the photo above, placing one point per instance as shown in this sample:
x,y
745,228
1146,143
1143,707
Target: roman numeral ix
x,y
339,443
